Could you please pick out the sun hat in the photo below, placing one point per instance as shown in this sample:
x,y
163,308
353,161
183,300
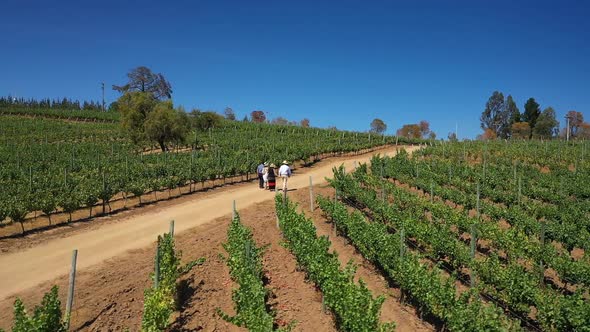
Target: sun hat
x,y
285,162
273,165
266,163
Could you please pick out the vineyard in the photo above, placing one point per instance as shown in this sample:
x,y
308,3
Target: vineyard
x,y
53,166
504,225
470,236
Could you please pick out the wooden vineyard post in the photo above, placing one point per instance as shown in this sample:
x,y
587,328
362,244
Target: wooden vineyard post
x,y
171,231
484,168
104,187
474,239
233,210
473,245
514,170
477,202
71,285
157,265
431,192
285,197
402,241
519,188
464,154
541,262
310,194
450,173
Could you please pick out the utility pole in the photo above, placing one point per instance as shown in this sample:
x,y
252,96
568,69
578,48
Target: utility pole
x,y
102,84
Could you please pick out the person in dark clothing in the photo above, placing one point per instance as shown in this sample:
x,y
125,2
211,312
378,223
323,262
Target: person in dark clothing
x,y
259,170
272,180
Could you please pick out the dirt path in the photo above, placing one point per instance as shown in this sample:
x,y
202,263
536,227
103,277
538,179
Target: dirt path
x,y
46,261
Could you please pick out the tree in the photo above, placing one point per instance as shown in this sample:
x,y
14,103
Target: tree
x,y
547,125
165,125
409,131
245,119
488,134
145,118
229,114
452,136
531,113
142,79
280,121
134,108
258,116
496,116
304,123
576,119
512,110
521,130
204,120
378,126
425,128
584,130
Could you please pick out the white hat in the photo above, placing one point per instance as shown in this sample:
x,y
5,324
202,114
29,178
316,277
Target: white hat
x,y
285,162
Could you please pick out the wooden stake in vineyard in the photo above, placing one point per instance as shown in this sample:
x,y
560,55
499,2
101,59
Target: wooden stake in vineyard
x,y
311,205
157,264
72,282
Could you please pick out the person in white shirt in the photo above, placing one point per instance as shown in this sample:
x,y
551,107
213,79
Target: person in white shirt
x,y
285,173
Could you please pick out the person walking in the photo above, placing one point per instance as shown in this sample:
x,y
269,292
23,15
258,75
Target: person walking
x,y
259,170
272,182
285,173
265,175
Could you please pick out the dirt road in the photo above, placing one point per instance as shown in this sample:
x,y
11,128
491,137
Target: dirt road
x,y
27,268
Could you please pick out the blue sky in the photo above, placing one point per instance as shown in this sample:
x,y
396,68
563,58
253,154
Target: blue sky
x,y
338,63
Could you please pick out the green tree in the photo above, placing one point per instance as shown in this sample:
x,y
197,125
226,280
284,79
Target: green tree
x,y
513,110
134,108
547,125
531,113
378,126
165,125
229,114
142,79
205,120
497,117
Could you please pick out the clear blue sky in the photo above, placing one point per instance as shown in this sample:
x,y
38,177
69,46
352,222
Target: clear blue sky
x,y
338,63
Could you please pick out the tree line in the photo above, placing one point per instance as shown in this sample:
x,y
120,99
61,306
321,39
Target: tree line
x,y
47,103
502,118
148,114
